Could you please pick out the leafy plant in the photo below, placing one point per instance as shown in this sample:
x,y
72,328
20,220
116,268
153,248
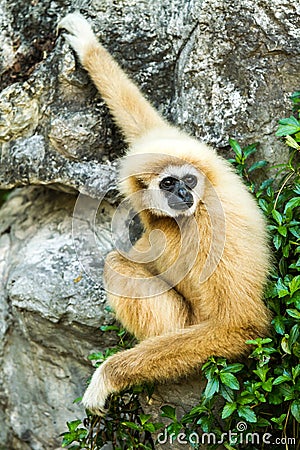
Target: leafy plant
x,y
125,425
256,402
3,196
263,394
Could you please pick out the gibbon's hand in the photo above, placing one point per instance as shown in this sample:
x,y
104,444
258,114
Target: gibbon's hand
x,y
80,35
97,392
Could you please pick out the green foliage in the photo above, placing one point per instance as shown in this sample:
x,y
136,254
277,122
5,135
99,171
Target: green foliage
x,y
125,425
3,196
260,396
264,392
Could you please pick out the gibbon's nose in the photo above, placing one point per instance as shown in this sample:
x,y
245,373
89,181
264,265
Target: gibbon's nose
x,y
181,198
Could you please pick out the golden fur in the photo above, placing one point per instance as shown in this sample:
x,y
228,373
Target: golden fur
x,y
218,304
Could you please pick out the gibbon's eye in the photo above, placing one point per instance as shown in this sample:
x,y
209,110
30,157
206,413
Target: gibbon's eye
x,y
168,183
190,180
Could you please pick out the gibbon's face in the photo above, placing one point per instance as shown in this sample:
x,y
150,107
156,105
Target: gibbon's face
x,y
176,191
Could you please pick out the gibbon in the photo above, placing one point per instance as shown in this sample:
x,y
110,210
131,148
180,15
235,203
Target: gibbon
x,y
199,293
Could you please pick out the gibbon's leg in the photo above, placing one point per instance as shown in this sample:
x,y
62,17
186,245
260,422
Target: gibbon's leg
x,y
143,314
132,112
163,358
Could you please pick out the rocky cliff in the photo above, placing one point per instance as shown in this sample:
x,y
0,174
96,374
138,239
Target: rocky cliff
x,y
216,68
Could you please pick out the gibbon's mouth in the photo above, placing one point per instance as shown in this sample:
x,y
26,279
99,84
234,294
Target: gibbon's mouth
x,y
181,206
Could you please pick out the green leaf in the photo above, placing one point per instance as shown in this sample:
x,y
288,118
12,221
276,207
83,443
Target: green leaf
x,y
297,188
262,422
230,380
168,411
293,313
295,409
277,241
109,328
211,387
245,398
250,149
277,216
233,368
286,251
226,392
279,420
263,204
174,428
205,422
228,409
96,356
287,391
294,285
228,446
132,426
294,335
295,232
268,385
68,439
296,371
73,425
261,372
259,341
295,97
279,326
285,345
152,427
144,418
282,230
293,203
282,290
257,165
288,126
282,379
236,148
247,413
292,143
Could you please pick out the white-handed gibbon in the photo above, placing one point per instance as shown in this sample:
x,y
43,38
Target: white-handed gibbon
x,y
200,294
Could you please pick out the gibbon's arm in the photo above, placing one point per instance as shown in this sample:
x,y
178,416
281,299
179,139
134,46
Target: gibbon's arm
x,y
162,358
132,112
144,315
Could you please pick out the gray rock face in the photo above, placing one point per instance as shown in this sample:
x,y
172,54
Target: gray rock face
x,y
218,69
50,312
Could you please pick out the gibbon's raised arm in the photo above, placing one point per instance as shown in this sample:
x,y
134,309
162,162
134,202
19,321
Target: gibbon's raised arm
x,y
200,293
131,111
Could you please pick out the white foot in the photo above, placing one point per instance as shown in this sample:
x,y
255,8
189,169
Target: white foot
x,y
96,394
80,35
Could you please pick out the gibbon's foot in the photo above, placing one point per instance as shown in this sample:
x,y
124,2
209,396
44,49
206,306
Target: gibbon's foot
x,y
99,389
80,35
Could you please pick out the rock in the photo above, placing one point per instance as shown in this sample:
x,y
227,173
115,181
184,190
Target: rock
x,y
218,69
235,73
50,314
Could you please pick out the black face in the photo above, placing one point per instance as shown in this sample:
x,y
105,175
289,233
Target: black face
x,y
178,192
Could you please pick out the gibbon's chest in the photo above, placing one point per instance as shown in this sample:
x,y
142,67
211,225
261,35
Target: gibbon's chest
x,y
184,252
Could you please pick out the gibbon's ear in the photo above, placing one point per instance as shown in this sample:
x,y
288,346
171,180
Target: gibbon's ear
x,y
133,184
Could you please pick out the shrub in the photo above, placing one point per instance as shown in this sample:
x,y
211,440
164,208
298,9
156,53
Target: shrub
x,y
257,400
